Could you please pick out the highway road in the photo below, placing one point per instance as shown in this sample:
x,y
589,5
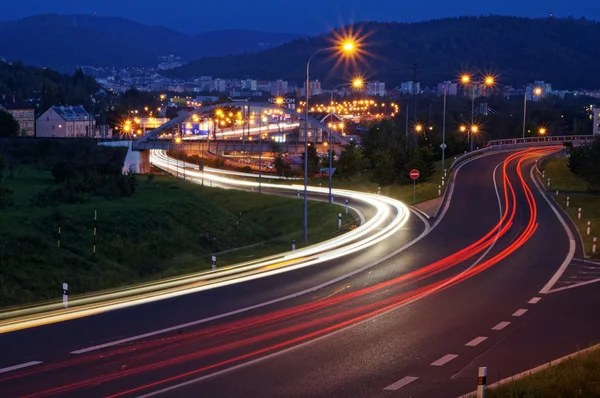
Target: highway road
x,y
398,319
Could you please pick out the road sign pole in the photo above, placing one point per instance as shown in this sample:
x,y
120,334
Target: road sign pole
x,y
414,191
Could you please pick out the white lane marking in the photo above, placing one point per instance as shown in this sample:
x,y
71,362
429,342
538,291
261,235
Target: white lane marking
x,y
476,341
298,346
563,267
519,312
560,289
401,383
501,326
534,300
20,366
245,309
444,360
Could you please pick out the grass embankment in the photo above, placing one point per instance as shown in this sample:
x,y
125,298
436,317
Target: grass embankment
x,y
575,377
574,187
425,190
167,227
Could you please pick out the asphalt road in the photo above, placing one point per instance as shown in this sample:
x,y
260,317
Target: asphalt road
x,y
417,324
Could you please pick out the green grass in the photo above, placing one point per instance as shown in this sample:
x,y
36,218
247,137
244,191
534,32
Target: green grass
x,y
424,190
159,231
574,377
561,178
590,211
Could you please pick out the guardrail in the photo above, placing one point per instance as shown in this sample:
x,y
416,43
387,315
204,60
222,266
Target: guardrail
x,y
541,140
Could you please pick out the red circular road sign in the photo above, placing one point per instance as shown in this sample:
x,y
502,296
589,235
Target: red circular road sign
x,y
414,174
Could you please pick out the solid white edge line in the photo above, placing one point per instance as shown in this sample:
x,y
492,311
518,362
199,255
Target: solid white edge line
x,y
501,325
401,383
534,300
534,370
561,270
520,312
298,346
20,366
444,360
476,341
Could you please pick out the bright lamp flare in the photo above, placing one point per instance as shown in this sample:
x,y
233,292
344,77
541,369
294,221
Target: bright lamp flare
x,y
463,128
465,78
357,83
537,91
542,131
349,46
489,80
418,128
474,129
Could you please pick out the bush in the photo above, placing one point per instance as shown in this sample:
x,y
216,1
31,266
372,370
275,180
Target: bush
x,y
6,198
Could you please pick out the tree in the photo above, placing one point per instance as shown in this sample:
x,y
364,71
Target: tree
x,y
9,127
313,160
383,172
282,167
350,162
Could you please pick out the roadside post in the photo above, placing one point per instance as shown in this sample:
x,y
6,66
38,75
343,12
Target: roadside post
x,y
579,213
378,190
214,262
65,292
548,182
589,227
414,174
293,244
346,206
594,246
443,182
481,381
339,220
567,201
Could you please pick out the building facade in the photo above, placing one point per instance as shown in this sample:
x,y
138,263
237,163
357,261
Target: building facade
x,y
410,87
376,89
22,112
451,88
279,87
65,122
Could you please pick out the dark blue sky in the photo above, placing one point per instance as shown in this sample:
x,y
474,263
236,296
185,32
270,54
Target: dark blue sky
x,y
298,16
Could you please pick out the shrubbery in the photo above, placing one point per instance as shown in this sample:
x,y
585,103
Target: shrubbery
x,y
585,162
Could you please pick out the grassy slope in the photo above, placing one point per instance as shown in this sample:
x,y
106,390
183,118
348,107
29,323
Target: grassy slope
x,y
575,377
158,231
562,179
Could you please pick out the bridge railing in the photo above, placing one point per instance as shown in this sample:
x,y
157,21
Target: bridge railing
x,y
540,140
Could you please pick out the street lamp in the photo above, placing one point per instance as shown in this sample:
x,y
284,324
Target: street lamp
x,y
418,128
488,81
347,47
536,91
542,131
261,121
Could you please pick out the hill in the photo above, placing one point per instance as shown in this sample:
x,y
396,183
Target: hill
x,y
65,41
519,50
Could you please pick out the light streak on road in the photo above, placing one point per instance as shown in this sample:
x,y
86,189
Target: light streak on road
x,y
391,215
237,340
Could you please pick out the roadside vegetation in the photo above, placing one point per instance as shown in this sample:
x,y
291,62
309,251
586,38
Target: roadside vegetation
x,y
575,377
157,226
578,178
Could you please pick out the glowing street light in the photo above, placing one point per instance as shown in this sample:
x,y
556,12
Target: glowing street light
x,y
418,128
488,81
537,91
463,128
542,131
474,129
347,46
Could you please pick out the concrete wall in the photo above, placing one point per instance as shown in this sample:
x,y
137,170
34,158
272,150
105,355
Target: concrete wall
x,y
136,161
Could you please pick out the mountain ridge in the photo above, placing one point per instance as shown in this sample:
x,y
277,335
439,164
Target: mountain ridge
x,y
66,41
518,49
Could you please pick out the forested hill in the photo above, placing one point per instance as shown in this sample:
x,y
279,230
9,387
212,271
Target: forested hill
x,y
559,50
63,42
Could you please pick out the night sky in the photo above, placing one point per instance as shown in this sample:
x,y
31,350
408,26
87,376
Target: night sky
x,y
294,16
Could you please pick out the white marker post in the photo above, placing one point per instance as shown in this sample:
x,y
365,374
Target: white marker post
x,y
298,194
346,206
567,201
439,190
594,245
543,173
548,181
214,262
589,226
556,193
331,198
444,172
339,220
293,244
65,295
579,213
481,381
442,181
378,190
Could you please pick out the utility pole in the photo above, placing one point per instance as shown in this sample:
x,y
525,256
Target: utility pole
x,y
414,102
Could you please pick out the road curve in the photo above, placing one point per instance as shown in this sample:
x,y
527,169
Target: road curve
x,y
400,324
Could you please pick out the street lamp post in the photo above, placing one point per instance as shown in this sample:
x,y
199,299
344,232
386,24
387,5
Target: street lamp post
x,y
466,79
536,91
262,119
444,128
347,47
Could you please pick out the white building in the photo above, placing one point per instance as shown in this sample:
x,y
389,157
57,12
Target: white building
x,y
410,87
596,125
249,84
376,89
451,88
65,121
279,87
